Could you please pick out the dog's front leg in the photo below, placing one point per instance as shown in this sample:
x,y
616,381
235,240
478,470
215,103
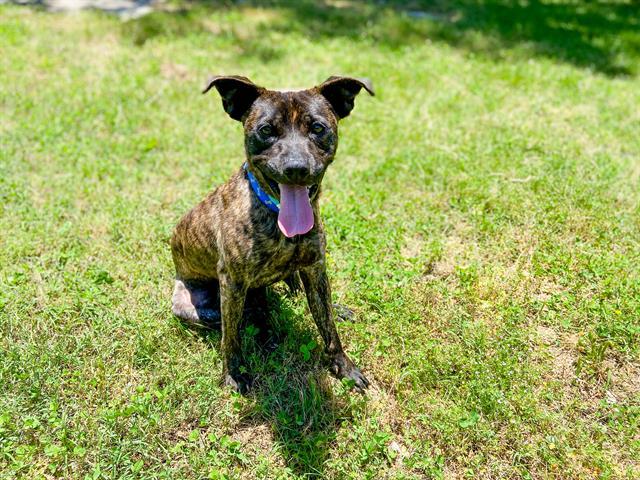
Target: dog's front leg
x,y
232,296
318,290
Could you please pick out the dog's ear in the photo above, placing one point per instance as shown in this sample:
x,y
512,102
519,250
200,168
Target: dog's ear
x,y
341,92
238,93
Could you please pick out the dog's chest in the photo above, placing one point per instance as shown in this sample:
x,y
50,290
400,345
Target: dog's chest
x,y
272,260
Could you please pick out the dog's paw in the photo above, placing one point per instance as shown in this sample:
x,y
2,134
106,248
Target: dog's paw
x,y
238,383
360,382
343,367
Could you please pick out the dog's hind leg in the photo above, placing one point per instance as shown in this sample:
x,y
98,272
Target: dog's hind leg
x,y
197,302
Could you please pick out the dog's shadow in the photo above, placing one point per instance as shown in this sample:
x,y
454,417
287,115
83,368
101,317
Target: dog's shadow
x,y
292,389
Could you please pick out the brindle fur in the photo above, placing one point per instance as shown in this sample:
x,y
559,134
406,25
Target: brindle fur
x,y
229,248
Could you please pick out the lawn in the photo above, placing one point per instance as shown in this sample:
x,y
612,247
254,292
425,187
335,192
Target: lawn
x,y
483,221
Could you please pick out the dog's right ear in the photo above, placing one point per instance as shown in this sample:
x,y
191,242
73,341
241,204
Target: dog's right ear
x,y
238,93
341,92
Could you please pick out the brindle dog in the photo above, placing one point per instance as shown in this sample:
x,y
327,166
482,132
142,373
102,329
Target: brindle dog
x,y
231,246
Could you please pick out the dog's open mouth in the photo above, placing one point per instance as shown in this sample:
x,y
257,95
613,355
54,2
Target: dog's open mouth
x,y
296,214
275,186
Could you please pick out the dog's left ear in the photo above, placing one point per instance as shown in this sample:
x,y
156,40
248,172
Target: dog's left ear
x,y
238,93
341,92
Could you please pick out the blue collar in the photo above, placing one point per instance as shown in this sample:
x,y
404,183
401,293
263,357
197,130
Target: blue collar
x,y
267,200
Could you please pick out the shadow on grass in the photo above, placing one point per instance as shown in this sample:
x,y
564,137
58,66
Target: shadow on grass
x,y
196,20
599,35
603,36
293,394
583,33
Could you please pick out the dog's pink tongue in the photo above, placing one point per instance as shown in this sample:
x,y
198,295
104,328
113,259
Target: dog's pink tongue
x,y
296,215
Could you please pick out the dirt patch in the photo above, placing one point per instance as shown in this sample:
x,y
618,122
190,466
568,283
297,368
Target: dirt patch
x,y
385,406
624,382
562,352
412,247
616,383
458,248
545,290
258,440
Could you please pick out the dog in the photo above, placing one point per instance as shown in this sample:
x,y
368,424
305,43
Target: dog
x,y
263,225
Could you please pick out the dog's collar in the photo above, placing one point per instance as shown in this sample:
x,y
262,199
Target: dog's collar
x,y
267,200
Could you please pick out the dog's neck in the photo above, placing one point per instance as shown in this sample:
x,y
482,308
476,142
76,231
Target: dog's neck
x,y
262,190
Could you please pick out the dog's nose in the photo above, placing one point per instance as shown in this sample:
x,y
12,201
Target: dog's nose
x,y
296,172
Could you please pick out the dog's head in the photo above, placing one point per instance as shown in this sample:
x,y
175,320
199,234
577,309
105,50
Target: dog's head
x,y
290,137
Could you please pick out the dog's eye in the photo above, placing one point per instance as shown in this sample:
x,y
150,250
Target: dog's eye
x,y
267,131
317,128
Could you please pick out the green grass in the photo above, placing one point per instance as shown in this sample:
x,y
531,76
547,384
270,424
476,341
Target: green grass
x,y
483,220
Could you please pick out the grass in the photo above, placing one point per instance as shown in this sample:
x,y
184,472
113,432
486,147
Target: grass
x,y
482,217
